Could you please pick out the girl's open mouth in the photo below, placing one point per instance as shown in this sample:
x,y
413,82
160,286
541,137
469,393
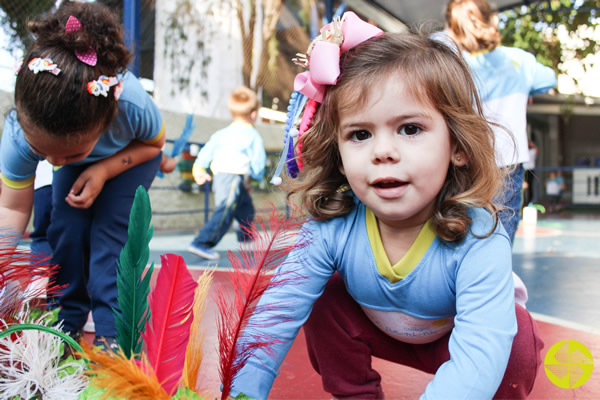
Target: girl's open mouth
x,y
389,184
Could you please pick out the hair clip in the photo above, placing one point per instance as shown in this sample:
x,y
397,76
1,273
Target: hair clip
x,y
102,85
88,57
37,64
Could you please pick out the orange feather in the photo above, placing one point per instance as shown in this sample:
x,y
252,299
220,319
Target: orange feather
x,y
120,377
194,352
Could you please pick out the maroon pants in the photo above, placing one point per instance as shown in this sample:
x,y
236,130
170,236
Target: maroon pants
x,y
341,341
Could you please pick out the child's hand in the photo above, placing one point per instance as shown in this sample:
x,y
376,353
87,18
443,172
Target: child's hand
x,y
168,164
202,177
87,187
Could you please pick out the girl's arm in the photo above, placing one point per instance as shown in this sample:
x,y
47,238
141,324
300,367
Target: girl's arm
x,y
89,184
311,266
543,77
485,324
258,159
15,209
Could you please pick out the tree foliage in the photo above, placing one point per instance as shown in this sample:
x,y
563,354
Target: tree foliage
x,y
537,28
16,14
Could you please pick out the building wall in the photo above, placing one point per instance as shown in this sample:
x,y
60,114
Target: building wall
x,y
213,44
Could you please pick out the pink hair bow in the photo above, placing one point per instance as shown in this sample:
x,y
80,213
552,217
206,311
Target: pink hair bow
x,y
88,57
323,55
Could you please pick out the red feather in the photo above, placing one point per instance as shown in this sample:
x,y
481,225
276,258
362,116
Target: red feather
x,y
273,239
18,269
168,329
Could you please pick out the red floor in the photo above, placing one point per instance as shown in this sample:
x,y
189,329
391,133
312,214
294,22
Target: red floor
x,y
298,380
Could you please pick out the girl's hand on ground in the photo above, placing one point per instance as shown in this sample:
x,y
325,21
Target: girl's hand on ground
x,y
87,187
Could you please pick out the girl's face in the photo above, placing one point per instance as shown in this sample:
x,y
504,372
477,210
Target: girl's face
x,y
58,151
395,153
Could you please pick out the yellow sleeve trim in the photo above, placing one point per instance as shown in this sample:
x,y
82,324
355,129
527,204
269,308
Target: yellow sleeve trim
x,y
157,137
17,184
197,169
411,259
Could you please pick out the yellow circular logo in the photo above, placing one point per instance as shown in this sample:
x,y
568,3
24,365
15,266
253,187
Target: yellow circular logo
x,y
568,364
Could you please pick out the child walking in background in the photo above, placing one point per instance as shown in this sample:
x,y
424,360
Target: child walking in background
x,y
234,154
79,108
554,189
406,259
505,77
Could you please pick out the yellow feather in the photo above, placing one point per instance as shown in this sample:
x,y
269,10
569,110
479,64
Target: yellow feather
x,y
120,377
193,354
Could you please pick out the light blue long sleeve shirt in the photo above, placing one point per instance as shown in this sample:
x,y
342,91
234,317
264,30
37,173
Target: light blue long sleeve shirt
x,y
235,149
470,282
505,78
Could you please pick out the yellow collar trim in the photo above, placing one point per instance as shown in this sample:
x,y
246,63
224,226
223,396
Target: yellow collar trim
x,y
409,261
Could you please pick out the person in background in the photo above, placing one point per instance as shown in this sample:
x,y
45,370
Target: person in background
x,y
554,189
403,256
234,154
506,77
78,107
529,180
185,166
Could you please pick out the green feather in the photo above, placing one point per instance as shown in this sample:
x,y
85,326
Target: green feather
x,y
133,288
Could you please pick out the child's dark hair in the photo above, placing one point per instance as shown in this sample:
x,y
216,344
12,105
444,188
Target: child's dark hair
x,y
60,104
437,76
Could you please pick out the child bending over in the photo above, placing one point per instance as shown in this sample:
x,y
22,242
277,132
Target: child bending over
x,y
78,107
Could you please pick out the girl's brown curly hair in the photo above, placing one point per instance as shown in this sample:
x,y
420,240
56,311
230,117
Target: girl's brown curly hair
x,y
60,104
438,76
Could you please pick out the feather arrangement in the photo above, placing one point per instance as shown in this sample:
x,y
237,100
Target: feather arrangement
x,y
132,284
194,352
168,329
120,377
32,367
273,239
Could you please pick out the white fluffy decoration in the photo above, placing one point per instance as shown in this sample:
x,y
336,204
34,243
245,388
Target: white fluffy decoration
x,y
29,367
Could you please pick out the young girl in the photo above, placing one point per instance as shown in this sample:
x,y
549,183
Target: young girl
x,y
79,108
409,263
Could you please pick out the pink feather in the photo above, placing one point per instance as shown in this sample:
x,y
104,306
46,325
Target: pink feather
x,y
168,329
273,239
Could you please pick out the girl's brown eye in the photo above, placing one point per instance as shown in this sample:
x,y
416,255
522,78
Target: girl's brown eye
x,y
360,135
410,130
